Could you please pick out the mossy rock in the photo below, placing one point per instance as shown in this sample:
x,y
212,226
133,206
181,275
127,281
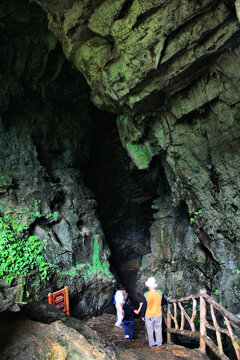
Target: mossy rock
x,y
237,4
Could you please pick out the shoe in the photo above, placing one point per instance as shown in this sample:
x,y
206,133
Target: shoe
x,y
157,347
118,326
126,337
152,346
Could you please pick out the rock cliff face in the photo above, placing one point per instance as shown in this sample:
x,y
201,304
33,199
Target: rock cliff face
x,y
170,68
41,331
170,71
46,126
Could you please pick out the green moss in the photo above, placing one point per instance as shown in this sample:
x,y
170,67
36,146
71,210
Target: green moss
x,y
139,155
20,292
103,17
3,181
24,218
98,267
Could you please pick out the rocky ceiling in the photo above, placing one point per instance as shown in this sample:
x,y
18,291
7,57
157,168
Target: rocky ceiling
x,y
133,52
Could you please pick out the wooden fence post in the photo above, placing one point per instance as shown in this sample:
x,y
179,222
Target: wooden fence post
x,y
169,324
50,301
67,301
203,316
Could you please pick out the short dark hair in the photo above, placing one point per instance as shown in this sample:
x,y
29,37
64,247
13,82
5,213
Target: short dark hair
x,y
129,302
121,287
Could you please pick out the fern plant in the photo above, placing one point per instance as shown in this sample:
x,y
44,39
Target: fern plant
x,y
19,256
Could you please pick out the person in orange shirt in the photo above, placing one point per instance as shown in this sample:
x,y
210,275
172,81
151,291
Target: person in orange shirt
x,y
152,313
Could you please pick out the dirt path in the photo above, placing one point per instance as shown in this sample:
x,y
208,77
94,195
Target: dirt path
x,y
139,346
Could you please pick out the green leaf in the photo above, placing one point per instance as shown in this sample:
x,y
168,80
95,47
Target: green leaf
x,y
19,257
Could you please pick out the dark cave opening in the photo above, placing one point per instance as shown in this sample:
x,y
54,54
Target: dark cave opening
x,y
124,196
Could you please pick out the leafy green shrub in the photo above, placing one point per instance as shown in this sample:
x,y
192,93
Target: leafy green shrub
x,y
20,257
55,216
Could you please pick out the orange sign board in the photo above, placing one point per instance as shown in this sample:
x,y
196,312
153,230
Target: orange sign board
x,y
60,299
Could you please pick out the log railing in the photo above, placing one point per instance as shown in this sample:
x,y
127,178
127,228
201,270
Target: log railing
x,y
205,340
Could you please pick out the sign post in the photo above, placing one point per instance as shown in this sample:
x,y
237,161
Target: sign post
x,y
60,299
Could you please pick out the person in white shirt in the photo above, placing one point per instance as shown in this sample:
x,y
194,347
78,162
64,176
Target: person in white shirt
x,y
119,302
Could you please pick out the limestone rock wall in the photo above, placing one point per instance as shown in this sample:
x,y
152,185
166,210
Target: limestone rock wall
x,y
134,51
46,121
171,69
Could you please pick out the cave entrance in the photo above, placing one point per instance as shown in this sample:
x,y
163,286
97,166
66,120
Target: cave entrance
x,y
124,196
52,108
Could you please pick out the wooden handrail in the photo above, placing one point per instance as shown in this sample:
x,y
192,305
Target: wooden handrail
x,y
184,299
233,318
205,340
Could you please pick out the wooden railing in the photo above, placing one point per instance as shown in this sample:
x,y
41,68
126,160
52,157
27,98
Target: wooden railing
x,y
201,334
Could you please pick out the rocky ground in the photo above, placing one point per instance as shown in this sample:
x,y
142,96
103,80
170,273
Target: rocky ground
x,y
139,346
42,332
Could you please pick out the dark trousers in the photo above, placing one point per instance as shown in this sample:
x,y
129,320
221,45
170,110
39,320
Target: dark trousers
x,y
131,325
